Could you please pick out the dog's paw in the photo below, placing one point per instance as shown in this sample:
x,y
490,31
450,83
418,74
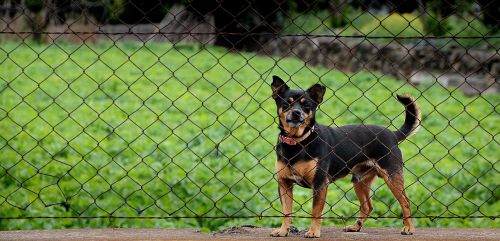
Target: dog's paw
x,y
313,233
281,232
408,230
352,228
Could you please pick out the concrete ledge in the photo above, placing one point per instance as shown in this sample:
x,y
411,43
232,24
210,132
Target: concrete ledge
x,y
249,233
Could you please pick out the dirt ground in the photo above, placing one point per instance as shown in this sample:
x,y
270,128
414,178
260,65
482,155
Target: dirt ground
x,y
249,233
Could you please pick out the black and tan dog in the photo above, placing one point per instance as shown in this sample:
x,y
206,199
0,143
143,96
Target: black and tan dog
x,y
313,155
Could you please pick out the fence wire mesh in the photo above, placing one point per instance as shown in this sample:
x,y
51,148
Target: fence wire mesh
x,y
163,109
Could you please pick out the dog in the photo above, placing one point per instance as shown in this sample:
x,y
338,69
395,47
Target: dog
x,y
313,155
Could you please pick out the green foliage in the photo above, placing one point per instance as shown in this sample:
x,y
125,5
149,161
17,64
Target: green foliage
x,y
354,22
319,22
467,26
462,28
114,9
34,5
436,27
394,25
131,129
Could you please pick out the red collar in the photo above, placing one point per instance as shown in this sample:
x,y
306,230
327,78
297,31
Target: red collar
x,y
295,140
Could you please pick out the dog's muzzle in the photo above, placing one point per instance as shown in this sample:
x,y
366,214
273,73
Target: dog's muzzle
x,y
295,118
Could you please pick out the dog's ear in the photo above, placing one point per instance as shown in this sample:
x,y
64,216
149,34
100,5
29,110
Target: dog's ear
x,y
278,86
317,92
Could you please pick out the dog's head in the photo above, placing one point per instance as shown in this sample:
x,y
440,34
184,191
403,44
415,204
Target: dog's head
x,y
296,108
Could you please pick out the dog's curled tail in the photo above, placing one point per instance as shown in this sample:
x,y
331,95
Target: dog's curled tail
x,y
413,117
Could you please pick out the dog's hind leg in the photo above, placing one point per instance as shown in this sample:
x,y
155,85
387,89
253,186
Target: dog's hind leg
x,y
390,167
362,189
395,181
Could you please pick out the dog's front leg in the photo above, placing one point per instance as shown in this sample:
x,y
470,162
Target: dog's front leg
x,y
285,191
319,197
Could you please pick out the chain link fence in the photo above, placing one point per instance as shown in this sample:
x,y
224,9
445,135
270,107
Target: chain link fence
x,y
159,113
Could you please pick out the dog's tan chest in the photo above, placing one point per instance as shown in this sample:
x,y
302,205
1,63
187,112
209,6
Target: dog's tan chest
x,y
300,172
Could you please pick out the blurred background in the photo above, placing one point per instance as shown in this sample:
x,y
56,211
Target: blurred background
x,y
127,113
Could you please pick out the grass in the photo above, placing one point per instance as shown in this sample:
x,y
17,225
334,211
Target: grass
x,y
132,129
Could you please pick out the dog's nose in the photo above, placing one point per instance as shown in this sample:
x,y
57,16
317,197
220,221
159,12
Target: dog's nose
x,y
296,113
